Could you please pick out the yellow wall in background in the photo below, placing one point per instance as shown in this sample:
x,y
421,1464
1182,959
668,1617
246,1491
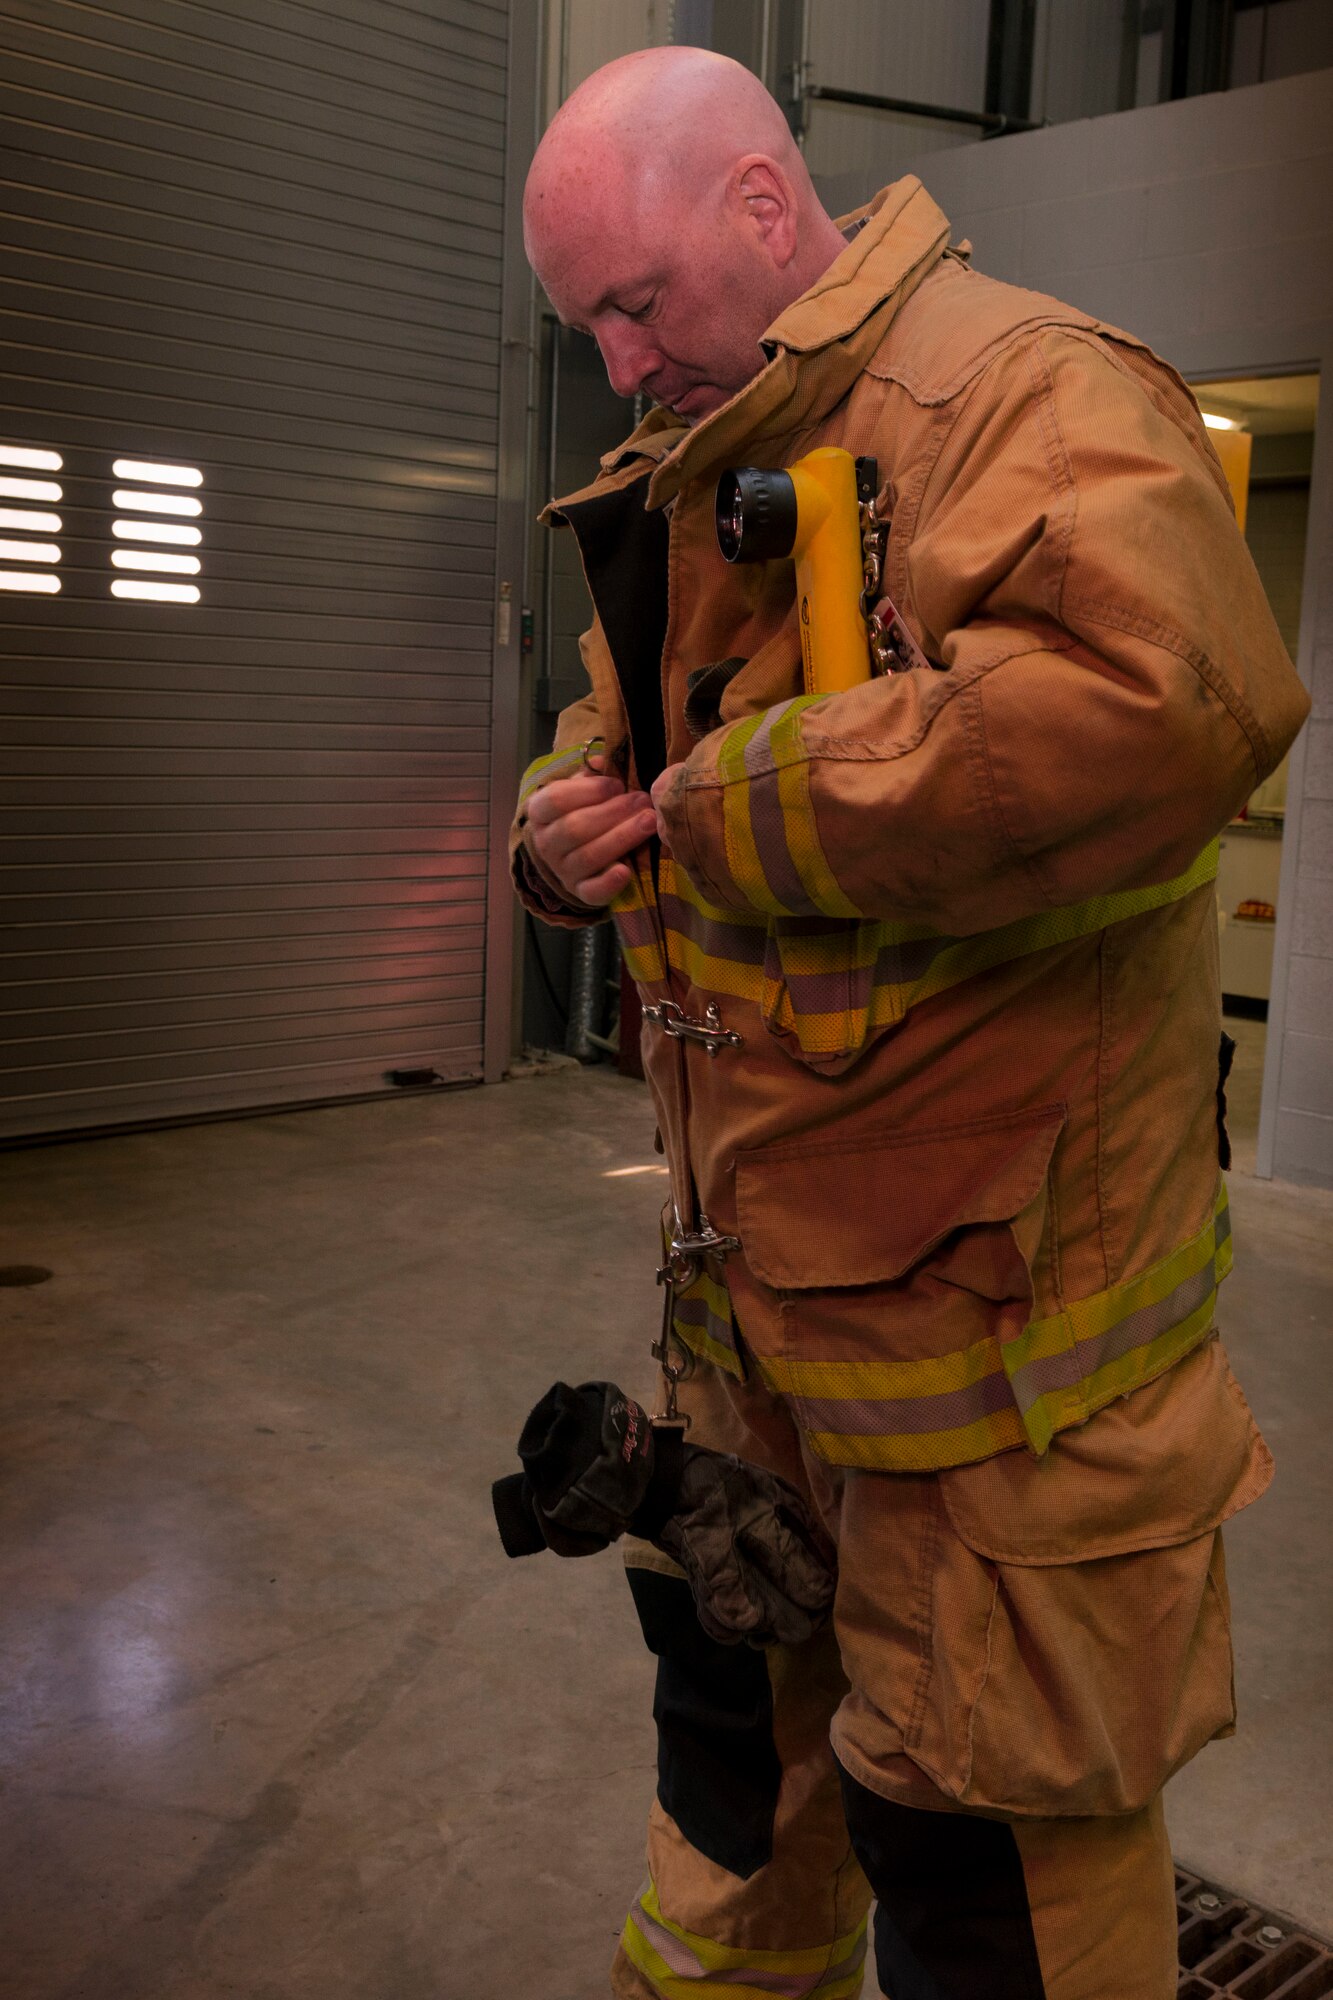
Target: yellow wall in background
x,y
1233,448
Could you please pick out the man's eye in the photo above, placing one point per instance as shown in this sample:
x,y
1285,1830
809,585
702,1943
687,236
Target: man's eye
x,y
643,311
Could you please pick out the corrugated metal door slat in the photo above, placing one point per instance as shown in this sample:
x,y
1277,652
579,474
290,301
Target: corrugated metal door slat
x,y
244,840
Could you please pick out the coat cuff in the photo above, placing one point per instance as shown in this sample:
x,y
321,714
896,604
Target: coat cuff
x,y
544,897
740,819
537,890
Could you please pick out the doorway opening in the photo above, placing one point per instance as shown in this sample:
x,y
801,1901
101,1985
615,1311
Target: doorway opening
x,y
1263,428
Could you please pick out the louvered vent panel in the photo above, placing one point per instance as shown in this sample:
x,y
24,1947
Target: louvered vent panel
x,y
248,445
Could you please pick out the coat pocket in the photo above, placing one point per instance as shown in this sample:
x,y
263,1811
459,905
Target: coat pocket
x,y
903,1266
832,986
1079,1641
828,989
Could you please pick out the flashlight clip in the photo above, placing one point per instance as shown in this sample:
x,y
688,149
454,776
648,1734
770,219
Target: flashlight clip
x,y
874,532
893,650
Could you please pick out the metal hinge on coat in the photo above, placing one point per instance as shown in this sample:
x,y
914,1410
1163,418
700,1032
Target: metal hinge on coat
x,y
682,1027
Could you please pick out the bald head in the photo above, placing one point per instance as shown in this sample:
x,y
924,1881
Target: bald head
x,y
669,213
662,122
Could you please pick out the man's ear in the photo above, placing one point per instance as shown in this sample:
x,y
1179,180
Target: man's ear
x,y
768,203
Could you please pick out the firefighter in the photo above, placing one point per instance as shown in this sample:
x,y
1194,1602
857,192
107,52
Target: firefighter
x,y
930,983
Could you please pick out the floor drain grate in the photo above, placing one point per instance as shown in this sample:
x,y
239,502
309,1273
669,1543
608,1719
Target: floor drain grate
x,y
1229,1947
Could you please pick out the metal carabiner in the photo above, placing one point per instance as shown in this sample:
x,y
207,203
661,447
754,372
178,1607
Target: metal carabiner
x,y
674,1372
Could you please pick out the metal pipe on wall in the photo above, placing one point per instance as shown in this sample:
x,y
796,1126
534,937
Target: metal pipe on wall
x,y
587,981
992,123
562,69
552,462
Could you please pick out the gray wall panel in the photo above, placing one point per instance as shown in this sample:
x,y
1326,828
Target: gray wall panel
x,y
244,843
913,49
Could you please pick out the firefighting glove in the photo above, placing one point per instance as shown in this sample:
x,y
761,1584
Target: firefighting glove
x,y
588,1464
758,1563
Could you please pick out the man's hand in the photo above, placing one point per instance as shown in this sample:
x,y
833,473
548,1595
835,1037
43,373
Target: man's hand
x,y
661,786
580,827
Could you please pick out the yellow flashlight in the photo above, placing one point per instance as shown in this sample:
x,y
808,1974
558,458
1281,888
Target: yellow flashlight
x,y
811,512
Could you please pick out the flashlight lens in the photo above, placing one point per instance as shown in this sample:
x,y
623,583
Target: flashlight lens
x,y
729,511
755,514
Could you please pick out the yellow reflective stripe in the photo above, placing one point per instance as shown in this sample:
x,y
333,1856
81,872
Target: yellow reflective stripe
x,y
714,1339
743,861
875,1381
1057,1410
550,766
1019,940
710,974
700,954
686,1966
1098,1313
708,1349
783,764
994,1395
637,924
644,966
853,949
1089,1320
716,1297
920,1451
675,882
798,816
858,946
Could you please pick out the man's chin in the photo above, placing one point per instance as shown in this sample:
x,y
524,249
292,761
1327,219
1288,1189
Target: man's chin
x,y
698,403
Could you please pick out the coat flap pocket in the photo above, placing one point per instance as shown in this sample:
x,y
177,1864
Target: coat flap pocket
x,y
818,1212
1153,1469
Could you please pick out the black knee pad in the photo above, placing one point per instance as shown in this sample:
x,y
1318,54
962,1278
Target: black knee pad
x,y
718,1773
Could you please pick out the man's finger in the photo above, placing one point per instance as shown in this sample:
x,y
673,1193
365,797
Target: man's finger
x,y
664,780
598,889
592,856
575,829
565,795
661,786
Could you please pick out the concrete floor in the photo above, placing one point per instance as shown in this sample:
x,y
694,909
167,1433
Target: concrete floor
x,y
279,1720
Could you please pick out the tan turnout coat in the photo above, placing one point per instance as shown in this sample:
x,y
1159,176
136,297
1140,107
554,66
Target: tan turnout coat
x,y
963,917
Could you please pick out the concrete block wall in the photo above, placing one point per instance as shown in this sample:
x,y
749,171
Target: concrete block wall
x,y
1206,228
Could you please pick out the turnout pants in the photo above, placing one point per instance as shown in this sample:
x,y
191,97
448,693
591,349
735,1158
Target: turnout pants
x,y
1022,1652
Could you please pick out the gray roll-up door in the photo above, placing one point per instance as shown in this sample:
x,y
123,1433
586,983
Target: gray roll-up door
x,y
252,255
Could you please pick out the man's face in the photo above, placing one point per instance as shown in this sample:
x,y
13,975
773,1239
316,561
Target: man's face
x,y
677,314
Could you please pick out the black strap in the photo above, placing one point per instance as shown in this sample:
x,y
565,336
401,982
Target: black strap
x,y
516,1516
659,1503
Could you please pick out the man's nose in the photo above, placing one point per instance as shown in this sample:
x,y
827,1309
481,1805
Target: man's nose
x,y
629,358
